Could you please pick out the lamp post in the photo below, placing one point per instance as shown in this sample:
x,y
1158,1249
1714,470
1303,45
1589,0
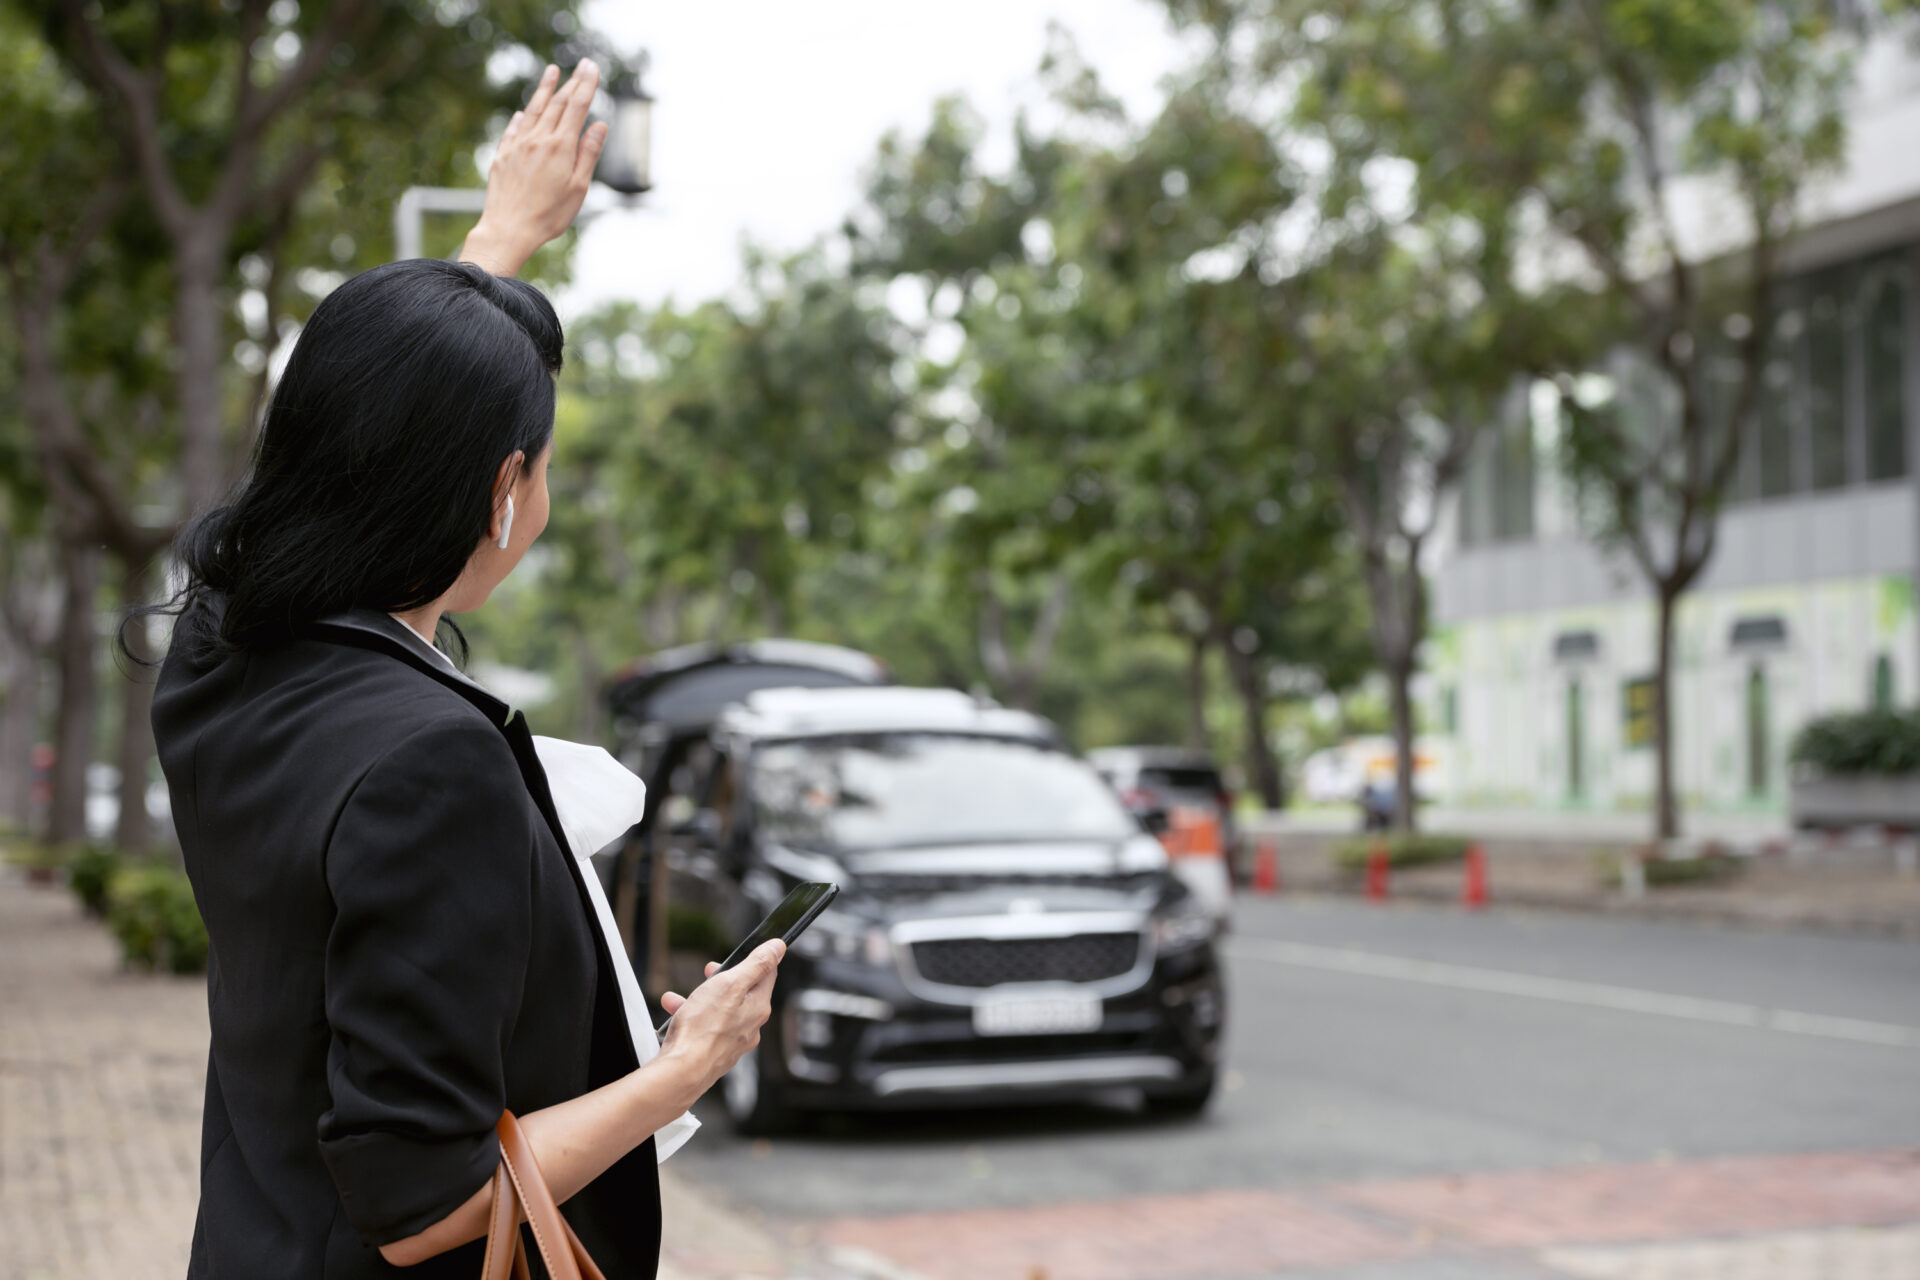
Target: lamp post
x,y
625,166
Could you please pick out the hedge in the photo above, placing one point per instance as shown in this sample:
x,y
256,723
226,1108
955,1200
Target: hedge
x,y
90,872
152,912
1404,849
1710,867
1860,742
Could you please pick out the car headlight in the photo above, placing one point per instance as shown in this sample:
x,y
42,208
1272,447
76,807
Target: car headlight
x,y
846,938
1183,927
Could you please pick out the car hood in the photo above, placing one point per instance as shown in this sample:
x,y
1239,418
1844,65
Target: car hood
x,y
994,879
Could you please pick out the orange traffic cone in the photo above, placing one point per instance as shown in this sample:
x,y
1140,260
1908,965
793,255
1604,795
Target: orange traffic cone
x,y
1266,866
1377,873
1473,889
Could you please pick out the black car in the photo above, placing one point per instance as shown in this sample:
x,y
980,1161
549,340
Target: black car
x,y
1006,931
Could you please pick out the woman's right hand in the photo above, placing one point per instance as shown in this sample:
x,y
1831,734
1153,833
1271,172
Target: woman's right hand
x,y
720,1022
540,173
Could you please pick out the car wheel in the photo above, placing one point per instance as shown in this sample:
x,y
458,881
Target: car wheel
x,y
1188,1099
753,1102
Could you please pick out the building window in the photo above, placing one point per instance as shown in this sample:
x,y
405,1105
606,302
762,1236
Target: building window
x,y
1515,473
1885,339
1763,631
1576,646
1775,416
1826,351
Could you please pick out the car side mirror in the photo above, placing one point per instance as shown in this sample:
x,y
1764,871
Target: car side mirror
x,y
1155,821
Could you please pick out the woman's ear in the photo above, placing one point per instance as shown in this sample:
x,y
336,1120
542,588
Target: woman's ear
x,y
512,467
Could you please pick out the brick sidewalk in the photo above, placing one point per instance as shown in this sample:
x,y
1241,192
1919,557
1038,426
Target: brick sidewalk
x,y
1626,1221
101,1076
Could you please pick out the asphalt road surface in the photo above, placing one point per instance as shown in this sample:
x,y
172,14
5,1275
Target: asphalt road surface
x,y
1388,1041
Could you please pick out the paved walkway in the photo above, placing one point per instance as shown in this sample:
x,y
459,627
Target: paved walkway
x,y
101,1073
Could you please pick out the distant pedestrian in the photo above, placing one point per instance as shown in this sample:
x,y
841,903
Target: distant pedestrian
x,y
1376,804
402,944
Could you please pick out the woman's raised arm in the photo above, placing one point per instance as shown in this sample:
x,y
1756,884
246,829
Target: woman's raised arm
x,y
540,173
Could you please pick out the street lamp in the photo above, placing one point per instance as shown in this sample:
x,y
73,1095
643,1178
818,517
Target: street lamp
x,y
626,162
625,166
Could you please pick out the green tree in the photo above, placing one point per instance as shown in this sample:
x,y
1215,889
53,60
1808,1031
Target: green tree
x,y
184,183
1566,134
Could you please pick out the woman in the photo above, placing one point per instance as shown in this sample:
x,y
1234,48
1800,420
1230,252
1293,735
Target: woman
x,y
402,946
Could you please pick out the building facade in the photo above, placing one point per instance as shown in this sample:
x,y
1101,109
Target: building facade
x,y
1538,673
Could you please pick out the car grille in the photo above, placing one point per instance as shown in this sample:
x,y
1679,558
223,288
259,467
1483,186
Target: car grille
x,y
988,962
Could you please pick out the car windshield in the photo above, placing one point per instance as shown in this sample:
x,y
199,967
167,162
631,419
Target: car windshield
x,y
884,791
1179,778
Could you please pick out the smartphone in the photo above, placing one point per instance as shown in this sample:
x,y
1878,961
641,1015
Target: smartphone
x,y
786,922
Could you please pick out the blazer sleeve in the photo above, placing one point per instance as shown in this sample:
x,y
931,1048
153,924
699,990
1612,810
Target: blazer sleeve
x,y
429,865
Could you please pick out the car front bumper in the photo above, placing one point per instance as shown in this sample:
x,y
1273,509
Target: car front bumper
x,y
851,1038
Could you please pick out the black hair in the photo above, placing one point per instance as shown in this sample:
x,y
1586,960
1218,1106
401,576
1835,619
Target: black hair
x,y
373,479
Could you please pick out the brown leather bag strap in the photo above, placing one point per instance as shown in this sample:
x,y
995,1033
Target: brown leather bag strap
x,y
517,1186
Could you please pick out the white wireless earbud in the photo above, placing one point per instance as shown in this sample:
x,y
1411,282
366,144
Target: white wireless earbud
x,y
506,523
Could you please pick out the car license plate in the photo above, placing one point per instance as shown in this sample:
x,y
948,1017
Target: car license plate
x,y
1033,1013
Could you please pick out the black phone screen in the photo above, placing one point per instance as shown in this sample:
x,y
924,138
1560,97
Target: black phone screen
x,y
786,922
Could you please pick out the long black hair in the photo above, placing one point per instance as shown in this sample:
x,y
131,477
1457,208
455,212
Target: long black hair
x,y
373,480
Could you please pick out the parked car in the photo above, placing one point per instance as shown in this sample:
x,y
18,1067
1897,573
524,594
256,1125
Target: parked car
x,y
1006,931
1154,781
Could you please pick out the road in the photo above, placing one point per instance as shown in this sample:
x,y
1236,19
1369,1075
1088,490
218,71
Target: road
x,y
1392,1043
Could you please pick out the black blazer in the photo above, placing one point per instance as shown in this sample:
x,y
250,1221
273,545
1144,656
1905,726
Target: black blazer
x,y
401,947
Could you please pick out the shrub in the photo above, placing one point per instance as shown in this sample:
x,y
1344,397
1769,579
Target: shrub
x,y
152,912
90,871
1861,742
1404,849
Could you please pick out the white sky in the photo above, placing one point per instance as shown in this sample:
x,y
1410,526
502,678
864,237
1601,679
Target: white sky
x,y
768,111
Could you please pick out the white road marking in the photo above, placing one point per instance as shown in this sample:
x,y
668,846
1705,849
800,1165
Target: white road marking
x,y
1595,995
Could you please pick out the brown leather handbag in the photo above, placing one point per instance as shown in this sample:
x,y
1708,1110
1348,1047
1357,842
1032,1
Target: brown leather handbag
x,y
519,1190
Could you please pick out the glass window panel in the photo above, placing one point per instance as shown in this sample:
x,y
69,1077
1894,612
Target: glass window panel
x,y
1775,418
1516,477
1885,342
1476,496
1722,374
1826,388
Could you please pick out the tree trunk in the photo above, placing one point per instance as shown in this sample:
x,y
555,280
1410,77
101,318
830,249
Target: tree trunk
x,y
73,729
133,832
19,726
1252,689
197,323
1666,812
1400,702
1199,736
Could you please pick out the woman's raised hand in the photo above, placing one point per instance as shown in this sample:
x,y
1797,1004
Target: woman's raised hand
x,y
540,173
720,1022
